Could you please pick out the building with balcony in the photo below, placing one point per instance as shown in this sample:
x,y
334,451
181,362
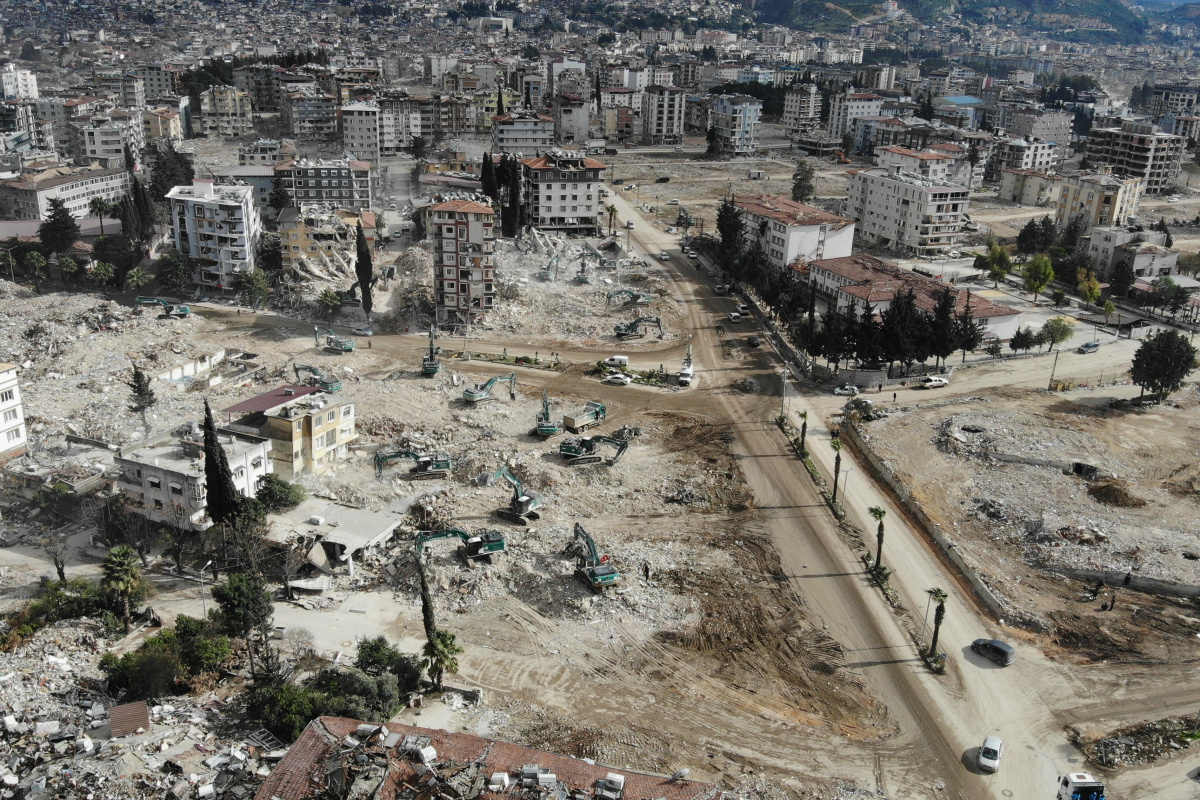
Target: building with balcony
x,y
736,119
320,236
801,108
18,84
1145,251
1022,153
226,112
1029,187
267,151
126,87
463,235
906,211
1098,198
13,436
164,475
1138,150
662,115
339,182
310,113
307,430
522,132
1049,126
561,192
75,186
789,231
219,227
102,138
1174,99
162,125
844,108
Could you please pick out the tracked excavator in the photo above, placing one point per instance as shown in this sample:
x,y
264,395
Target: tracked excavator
x,y
316,378
550,271
335,343
482,392
436,466
349,297
546,427
579,451
524,505
593,569
429,364
633,330
473,548
634,298
168,309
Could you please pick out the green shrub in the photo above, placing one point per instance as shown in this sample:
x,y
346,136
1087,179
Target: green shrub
x,y
153,671
284,710
377,656
353,693
202,648
59,600
278,495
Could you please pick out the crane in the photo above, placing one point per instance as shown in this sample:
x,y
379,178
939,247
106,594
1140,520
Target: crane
x,y
317,378
579,451
168,309
474,548
595,570
523,505
546,427
429,364
436,466
483,391
635,298
633,330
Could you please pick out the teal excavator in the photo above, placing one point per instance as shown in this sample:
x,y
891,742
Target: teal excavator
x,y
593,569
430,365
546,427
168,309
633,330
483,391
633,298
317,378
474,548
523,505
579,451
437,466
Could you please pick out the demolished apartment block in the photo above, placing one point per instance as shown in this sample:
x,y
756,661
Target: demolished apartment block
x,y
338,757
320,241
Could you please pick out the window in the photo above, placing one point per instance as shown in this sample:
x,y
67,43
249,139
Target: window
x,y
158,504
155,483
331,416
6,396
347,411
176,489
10,415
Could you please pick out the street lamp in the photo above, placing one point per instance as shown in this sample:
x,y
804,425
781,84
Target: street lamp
x,y
846,483
203,605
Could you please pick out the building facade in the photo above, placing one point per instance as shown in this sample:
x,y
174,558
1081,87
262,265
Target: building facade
x,y
339,182
1140,150
736,119
522,132
18,84
789,231
845,107
31,193
13,435
561,192
219,227
570,120
1145,251
360,130
662,115
897,209
1029,187
1098,199
308,431
226,112
267,151
464,236
801,108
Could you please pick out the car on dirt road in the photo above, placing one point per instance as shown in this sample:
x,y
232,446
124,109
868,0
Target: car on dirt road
x,y
995,650
754,341
664,256
1088,347
990,753
362,332
849,390
932,382
618,379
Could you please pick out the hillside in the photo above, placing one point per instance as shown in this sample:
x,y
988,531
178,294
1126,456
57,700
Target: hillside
x,y
1188,13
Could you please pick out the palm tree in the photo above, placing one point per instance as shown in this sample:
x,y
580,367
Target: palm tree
x,y
137,278
612,218
67,267
803,431
836,444
939,597
878,514
98,207
35,267
122,576
102,273
440,652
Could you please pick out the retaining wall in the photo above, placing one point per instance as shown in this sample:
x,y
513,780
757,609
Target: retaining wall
x,y
1116,579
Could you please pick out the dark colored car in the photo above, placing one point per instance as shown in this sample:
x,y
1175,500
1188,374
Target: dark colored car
x,y
754,341
995,650
663,179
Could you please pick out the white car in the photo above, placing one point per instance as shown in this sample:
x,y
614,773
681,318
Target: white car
x,y
990,753
735,316
933,382
1172,199
362,332
618,379
849,390
743,309
664,256
673,202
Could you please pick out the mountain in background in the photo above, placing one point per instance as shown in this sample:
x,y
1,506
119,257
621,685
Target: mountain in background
x,y
1185,14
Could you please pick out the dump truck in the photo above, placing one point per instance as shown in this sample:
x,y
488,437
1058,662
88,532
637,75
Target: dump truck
x,y
595,570
480,547
590,416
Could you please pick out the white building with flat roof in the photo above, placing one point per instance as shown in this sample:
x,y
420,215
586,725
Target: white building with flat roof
x,y
13,435
662,115
524,132
789,231
844,108
902,210
736,119
219,227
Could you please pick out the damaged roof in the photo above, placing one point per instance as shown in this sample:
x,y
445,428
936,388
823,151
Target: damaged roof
x,y
353,758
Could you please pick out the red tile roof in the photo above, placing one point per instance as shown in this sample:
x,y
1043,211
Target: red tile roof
x,y
302,773
788,211
465,206
546,162
271,399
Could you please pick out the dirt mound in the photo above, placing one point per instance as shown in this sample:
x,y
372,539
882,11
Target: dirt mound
x,y
1114,493
1142,744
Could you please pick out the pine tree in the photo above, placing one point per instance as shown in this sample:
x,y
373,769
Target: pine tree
x,y
802,181
143,395
279,198
224,500
941,338
58,230
364,269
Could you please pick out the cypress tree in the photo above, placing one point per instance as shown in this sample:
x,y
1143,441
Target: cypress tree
x,y
145,210
499,100
514,196
487,177
131,225
363,269
224,500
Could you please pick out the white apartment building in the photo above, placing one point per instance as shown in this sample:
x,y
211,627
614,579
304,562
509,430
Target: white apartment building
x,y
789,231
522,132
736,119
801,108
906,211
18,84
1021,153
102,139
844,108
338,182
662,115
360,130
1049,126
1144,250
464,235
31,193
1140,150
219,227
570,120
226,112
926,163
1098,199
13,436
127,88
164,476
560,192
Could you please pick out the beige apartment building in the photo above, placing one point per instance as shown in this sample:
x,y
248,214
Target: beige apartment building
x,y
308,430
463,233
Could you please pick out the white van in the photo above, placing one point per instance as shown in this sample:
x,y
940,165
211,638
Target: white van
x,y
685,376
616,361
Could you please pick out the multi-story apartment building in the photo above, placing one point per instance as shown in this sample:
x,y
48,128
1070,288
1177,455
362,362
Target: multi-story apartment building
x,y
1145,251
1022,153
32,192
662,115
320,235
463,233
1174,98
338,182
102,138
1138,149
310,113
736,119
1098,198
697,114
127,88
261,82
13,436
1028,187
164,475
845,107
226,112
789,231
160,80
935,164
570,119
522,132
259,177
162,125
18,84
617,123
360,130
801,108
1049,126
267,151
219,227
923,215
560,192
307,430
61,111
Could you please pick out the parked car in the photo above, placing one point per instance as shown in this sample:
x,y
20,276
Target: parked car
x,y
630,187
990,753
743,309
720,288
678,148
995,650
664,256
363,332
663,179
674,201
735,316
933,382
849,390
616,361
617,181
629,224
618,379
754,341
1088,347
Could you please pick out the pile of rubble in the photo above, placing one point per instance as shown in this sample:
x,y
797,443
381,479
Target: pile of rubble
x,y
1142,744
58,731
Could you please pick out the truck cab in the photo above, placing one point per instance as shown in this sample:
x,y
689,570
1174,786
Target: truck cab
x,y
1080,786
